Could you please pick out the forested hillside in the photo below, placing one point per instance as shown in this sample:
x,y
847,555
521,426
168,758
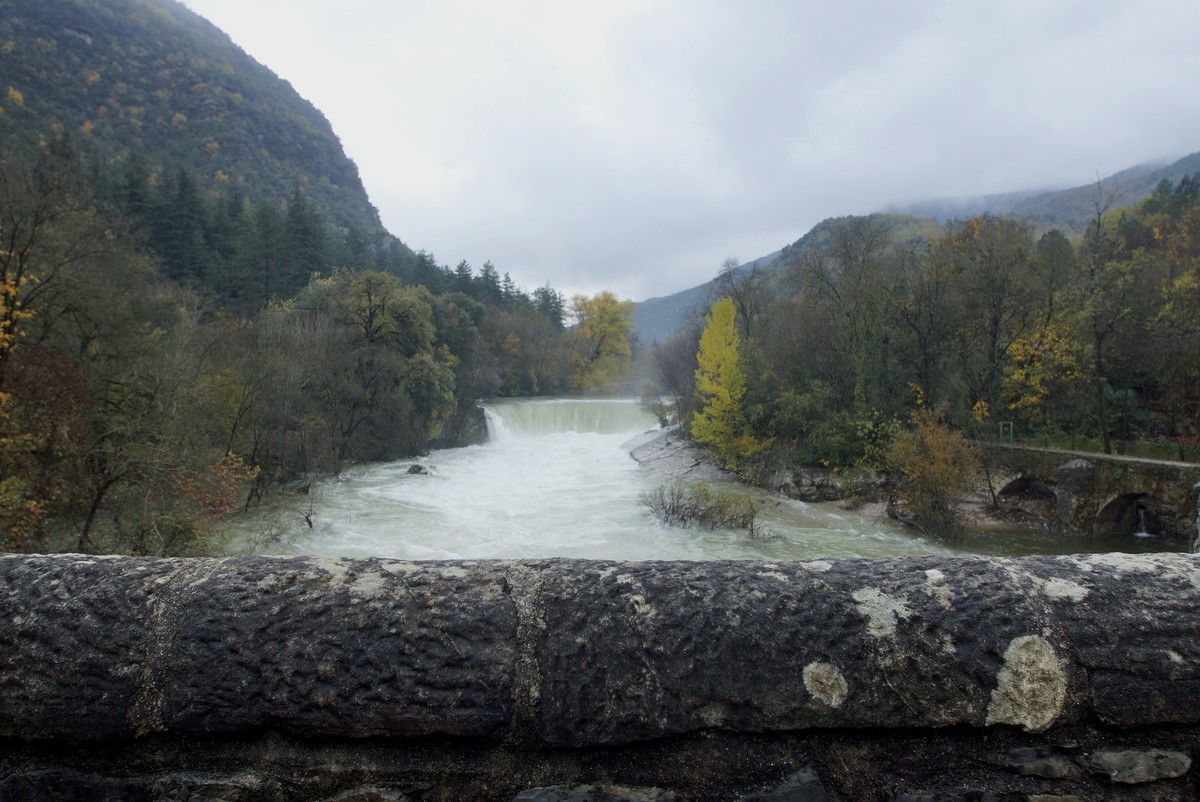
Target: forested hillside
x,y
149,86
198,307
138,406
656,319
1070,211
983,328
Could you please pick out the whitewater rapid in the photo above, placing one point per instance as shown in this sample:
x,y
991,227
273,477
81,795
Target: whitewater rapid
x,y
555,479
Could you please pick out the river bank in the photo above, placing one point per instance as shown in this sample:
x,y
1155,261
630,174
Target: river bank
x,y
667,452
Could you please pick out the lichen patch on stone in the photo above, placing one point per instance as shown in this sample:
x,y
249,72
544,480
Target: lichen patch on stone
x,y
935,586
333,567
713,714
401,568
1065,590
368,586
1031,687
1193,576
881,610
1133,767
1122,564
774,575
826,683
638,602
816,566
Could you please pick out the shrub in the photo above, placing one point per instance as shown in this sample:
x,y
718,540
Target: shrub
x,y
696,504
934,467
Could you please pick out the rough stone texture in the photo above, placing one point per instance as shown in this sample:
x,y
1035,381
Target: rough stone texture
x,y
301,678
1195,499
1135,767
101,648
668,649
1075,486
1098,494
803,786
594,793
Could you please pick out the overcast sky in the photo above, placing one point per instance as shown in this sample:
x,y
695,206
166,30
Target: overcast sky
x,y
633,146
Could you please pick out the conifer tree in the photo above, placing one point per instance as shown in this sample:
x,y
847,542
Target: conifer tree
x,y
721,423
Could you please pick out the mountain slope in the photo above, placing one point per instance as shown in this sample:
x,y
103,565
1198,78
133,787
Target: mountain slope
x,y
657,318
151,78
1072,209
1069,210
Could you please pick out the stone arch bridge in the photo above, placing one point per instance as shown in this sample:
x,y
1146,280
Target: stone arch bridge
x,y
1096,495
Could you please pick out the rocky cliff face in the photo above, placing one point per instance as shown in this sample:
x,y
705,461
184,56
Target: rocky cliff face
x,y
300,678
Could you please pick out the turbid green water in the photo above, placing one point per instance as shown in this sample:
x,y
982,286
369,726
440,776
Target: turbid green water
x,y
553,480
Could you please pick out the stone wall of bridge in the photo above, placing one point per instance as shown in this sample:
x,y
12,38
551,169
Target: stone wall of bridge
x,y
336,679
1095,494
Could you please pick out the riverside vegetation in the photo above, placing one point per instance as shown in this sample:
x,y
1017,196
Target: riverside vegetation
x,y
697,504
142,401
881,344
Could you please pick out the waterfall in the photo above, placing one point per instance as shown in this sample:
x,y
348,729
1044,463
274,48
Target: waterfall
x,y
535,417
1141,522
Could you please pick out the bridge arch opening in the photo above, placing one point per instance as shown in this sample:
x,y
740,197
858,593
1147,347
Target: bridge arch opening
x,y
1030,495
1137,514
1029,488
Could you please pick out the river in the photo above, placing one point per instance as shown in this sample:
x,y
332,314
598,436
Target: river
x,y
554,480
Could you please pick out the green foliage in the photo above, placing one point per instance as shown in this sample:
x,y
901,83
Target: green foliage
x,y
674,364
1092,338
816,434
134,416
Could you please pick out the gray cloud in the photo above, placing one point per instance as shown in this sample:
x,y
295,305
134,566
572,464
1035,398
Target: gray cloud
x,y
634,146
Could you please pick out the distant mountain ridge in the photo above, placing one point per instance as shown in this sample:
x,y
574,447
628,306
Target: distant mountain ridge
x,y
150,79
1068,210
657,318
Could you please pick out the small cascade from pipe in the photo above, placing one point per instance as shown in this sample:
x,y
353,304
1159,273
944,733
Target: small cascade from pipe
x,y
1141,522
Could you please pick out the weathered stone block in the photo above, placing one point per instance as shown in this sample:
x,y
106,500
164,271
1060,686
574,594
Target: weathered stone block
x,y
1133,767
302,678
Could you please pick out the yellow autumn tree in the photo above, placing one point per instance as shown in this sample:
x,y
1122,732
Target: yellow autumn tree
x,y
1042,364
721,424
934,467
600,347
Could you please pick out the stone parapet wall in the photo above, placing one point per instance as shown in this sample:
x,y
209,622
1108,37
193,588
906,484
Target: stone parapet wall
x,y
304,678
